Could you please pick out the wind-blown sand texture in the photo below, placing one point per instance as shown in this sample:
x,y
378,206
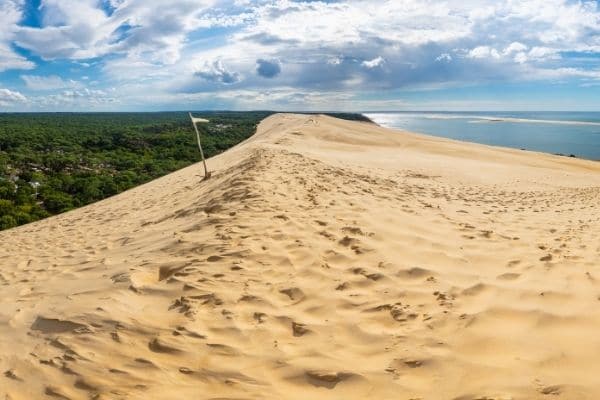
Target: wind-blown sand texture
x,y
324,259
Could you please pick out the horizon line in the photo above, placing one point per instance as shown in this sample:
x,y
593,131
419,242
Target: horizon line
x,y
288,111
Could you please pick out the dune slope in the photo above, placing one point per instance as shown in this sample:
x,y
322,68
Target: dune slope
x,y
324,259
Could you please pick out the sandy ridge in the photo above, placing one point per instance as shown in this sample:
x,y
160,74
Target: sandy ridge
x,y
323,259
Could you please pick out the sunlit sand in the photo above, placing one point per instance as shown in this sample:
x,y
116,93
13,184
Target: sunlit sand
x,y
324,259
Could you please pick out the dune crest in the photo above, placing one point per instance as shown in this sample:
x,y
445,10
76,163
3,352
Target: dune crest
x,y
323,259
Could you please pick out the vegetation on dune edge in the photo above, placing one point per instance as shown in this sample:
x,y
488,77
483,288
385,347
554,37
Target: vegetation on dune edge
x,y
51,163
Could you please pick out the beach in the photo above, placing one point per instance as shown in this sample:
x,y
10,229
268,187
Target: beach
x,y
323,259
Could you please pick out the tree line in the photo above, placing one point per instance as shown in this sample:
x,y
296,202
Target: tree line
x,y
54,162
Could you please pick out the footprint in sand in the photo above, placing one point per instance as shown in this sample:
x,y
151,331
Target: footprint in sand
x,y
299,329
328,380
509,276
10,374
294,293
157,346
52,325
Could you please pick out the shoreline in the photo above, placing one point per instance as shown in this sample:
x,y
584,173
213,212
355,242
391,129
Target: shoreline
x,y
470,134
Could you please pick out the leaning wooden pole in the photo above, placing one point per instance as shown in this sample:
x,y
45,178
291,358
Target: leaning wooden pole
x,y
194,121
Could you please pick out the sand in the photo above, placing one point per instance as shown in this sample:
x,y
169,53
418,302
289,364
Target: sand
x,y
324,259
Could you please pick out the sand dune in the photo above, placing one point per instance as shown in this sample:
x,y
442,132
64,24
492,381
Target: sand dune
x,y
324,259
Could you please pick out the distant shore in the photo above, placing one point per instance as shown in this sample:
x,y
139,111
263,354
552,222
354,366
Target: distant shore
x,y
576,134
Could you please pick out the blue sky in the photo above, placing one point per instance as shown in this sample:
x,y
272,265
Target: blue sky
x,y
354,55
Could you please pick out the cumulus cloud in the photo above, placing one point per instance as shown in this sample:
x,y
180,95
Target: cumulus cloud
x,y
143,46
216,72
521,57
268,68
51,82
514,47
11,12
543,53
76,100
374,63
444,57
9,97
337,46
81,29
570,73
483,52
10,60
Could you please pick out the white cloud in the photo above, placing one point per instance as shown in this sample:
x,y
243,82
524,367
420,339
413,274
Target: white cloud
x,y
11,12
444,57
143,29
521,57
537,54
155,50
9,97
542,53
10,60
374,63
216,72
409,22
560,73
483,52
76,100
514,47
51,82
338,46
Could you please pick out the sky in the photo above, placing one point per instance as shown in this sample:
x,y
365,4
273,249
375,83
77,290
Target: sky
x,y
353,55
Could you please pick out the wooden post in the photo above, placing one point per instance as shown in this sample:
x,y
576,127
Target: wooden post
x,y
194,121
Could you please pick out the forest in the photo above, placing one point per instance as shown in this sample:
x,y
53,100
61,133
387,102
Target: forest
x,y
54,162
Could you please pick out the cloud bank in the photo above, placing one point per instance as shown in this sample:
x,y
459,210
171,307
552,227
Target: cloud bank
x,y
346,51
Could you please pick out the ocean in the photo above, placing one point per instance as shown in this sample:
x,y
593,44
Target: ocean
x,y
567,133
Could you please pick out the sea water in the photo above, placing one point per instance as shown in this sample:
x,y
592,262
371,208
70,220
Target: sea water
x,y
567,133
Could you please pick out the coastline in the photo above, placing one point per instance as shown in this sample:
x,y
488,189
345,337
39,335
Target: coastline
x,y
573,137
